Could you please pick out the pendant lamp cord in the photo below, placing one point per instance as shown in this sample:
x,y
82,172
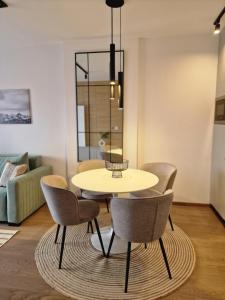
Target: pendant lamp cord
x,y
120,41
112,25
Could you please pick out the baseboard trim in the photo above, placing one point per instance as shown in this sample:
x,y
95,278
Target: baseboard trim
x,y
190,204
217,214
177,203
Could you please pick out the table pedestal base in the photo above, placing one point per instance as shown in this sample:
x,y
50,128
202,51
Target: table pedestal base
x,y
119,246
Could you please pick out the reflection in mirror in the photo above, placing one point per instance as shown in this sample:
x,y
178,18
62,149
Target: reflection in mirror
x,y
99,121
82,69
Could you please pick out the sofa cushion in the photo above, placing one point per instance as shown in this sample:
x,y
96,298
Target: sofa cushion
x,y
13,158
19,170
3,161
3,204
11,171
21,159
34,161
7,173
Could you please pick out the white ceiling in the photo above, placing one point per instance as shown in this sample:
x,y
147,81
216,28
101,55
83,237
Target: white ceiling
x,y
26,21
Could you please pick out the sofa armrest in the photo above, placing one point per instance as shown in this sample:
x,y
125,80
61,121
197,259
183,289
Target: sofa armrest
x,y
24,195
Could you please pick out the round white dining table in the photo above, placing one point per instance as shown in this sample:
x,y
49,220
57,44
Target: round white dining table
x,y
101,181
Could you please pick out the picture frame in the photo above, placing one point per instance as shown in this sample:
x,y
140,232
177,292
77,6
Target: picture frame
x,y
15,107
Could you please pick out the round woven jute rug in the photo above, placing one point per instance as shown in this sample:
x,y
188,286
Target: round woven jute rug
x,y
87,275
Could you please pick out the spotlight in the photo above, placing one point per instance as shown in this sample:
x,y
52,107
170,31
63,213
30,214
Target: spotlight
x,y
217,28
217,21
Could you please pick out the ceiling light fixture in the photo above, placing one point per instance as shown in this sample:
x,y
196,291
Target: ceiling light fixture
x,y
217,29
112,69
217,21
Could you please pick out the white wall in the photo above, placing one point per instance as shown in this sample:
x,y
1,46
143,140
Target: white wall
x,y
169,103
39,69
178,77
218,153
220,87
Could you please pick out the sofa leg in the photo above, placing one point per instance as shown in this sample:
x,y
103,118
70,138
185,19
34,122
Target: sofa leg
x,y
14,224
3,222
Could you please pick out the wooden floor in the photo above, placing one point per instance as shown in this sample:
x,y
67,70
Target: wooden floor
x,y
19,278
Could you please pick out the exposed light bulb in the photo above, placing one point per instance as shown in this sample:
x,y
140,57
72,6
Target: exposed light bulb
x,y
112,91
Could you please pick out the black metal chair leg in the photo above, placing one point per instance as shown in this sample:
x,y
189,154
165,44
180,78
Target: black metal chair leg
x,y
171,223
110,244
88,227
99,236
62,246
107,204
127,266
92,231
146,245
165,257
57,233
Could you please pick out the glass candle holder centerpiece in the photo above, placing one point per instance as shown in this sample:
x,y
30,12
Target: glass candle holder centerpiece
x,y
117,167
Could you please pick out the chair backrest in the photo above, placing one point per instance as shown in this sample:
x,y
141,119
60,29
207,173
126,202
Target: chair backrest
x,y
165,172
141,220
91,164
63,204
56,181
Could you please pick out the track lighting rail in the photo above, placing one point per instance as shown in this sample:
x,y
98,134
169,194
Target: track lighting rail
x,y
217,21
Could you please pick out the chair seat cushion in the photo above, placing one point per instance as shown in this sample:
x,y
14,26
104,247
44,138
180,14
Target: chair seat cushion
x,y
95,195
3,204
88,210
146,193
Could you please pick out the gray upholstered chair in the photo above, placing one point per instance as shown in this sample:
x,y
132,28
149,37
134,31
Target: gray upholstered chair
x,y
166,173
66,209
140,220
92,164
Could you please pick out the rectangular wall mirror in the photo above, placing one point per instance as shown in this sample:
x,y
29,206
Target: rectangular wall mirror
x,y
99,121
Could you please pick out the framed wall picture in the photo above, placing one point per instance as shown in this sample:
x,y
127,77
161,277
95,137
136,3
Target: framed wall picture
x,y
15,106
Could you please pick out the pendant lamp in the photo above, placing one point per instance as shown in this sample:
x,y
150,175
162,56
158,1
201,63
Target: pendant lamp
x,y
120,74
112,66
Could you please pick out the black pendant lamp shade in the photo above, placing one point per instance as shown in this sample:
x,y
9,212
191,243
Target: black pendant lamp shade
x,y
121,90
3,4
112,63
120,74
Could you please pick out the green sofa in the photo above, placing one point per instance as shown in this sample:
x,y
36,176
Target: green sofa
x,y
22,196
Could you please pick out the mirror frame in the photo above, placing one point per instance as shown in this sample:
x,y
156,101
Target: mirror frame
x,y
88,85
